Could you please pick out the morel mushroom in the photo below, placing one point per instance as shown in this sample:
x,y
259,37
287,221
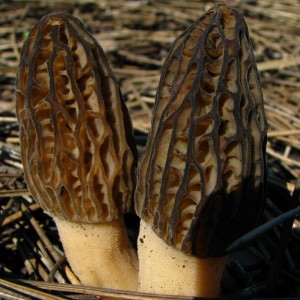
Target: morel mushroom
x,y
201,179
77,148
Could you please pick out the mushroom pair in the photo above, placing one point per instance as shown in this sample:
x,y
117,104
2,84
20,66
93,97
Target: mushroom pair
x,y
201,178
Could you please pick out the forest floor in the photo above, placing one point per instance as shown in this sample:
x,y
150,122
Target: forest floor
x,y
136,36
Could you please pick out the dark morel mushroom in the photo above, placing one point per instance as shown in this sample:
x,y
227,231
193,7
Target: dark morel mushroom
x,y
77,148
201,179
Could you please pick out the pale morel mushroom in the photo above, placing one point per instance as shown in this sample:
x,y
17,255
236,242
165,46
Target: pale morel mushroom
x,y
77,148
201,178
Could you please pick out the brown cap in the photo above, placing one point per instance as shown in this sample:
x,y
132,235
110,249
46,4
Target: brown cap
x,y
201,179
76,137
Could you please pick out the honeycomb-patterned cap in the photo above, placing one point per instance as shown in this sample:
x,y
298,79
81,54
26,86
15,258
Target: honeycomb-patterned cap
x,y
201,178
76,137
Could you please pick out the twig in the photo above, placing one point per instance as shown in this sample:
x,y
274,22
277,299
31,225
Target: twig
x,y
21,288
248,237
283,241
17,215
46,241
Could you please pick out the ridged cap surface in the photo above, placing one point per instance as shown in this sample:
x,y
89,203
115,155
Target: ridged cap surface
x,y
76,136
201,179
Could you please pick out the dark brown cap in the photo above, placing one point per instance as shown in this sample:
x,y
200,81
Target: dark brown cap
x,y
201,179
76,137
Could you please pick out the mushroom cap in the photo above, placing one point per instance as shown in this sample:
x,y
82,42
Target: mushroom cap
x,y
77,146
201,178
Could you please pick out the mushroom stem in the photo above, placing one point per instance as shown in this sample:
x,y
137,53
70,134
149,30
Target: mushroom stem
x,y
165,270
94,247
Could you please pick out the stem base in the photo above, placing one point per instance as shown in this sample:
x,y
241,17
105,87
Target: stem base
x,y
100,254
165,270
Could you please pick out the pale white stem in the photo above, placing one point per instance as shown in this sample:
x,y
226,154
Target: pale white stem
x,y
164,270
100,254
